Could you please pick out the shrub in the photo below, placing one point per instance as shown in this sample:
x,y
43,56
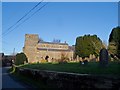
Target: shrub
x,y
20,59
43,61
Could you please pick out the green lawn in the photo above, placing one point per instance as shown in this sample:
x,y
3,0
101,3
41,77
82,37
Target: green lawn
x,y
92,68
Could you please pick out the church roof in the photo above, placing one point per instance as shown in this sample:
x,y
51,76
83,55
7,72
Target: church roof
x,y
53,43
45,49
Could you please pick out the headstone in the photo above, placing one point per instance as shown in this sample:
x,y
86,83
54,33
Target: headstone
x,y
86,58
93,56
90,57
103,57
77,58
80,58
97,59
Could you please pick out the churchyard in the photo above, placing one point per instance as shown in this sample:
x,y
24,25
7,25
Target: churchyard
x,y
83,66
66,74
72,75
76,67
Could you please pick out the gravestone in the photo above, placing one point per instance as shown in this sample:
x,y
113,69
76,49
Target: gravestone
x,y
90,57
77,58
103,58
80,59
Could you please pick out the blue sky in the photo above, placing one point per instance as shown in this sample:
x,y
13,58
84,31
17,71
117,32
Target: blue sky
x,y
64,21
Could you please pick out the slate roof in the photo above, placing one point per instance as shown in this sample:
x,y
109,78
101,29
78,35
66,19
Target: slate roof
x,y
45,49
53,43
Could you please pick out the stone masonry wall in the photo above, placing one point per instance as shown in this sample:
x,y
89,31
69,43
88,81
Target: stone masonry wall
x,y
71,81
30,46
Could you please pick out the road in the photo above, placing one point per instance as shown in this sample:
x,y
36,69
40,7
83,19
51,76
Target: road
x,y
8,82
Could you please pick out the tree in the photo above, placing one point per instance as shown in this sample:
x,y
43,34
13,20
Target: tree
x,y
56,41
20,59
114,42
87,44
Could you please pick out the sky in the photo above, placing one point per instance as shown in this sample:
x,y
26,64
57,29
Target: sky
x,y
57,20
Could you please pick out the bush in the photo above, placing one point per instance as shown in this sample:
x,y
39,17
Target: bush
x,y
20,59
43,61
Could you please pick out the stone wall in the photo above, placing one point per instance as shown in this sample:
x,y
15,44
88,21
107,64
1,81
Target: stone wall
x,y
53,55
53,46
72,81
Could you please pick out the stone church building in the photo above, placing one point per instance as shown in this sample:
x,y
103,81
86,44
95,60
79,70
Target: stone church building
x,y
37,50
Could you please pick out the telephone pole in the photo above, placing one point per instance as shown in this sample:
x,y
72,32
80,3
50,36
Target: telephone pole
x,y
13,51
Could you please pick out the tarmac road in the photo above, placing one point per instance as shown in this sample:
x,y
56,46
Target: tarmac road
x,y
9,83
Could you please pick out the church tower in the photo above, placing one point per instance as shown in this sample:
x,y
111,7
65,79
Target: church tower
x,y
31,40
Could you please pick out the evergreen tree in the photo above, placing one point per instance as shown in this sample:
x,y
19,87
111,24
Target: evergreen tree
x,y
114,42
87,44
20,59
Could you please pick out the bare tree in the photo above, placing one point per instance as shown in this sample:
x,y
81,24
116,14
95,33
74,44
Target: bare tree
x,y
56,40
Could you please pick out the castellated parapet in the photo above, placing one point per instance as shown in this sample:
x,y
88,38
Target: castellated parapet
x,y
37,50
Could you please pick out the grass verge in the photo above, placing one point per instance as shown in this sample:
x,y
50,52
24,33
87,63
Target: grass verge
x,y
90,68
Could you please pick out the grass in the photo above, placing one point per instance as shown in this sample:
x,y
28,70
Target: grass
x,y
91,68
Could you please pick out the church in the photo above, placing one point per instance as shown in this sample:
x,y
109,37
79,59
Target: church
x,y
37,50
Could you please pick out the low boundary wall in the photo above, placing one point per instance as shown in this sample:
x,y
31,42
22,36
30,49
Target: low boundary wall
x,y
70,80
